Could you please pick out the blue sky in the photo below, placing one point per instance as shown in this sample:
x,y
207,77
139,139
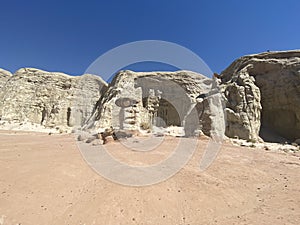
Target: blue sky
x,y
68,36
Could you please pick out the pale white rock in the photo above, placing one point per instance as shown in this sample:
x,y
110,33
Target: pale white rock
x,y
268,146
263,96
4,76
54,100
141,100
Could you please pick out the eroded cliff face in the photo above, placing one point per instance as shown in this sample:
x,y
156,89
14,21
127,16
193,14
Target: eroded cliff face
x,y
4,76
263,96
133,101
54,100
141,100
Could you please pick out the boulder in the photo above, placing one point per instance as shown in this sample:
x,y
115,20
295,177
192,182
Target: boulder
x,y
297,141
90,139
97,142
120,134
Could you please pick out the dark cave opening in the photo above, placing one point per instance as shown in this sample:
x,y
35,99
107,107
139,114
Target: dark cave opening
x,y
278,125
168,114
278,98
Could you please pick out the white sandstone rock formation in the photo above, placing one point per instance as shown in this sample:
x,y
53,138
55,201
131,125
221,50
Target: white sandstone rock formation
x,y
4,76
54,100
261,93
263,96
141,100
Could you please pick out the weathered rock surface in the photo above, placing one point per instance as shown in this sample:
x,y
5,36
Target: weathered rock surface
x,y
4,76
50,99
261,93
263,96
141,100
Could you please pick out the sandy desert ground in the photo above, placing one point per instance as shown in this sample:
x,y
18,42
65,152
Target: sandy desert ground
x,y
45,180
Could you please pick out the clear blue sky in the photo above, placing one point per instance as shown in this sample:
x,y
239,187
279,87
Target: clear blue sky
x,y
68,36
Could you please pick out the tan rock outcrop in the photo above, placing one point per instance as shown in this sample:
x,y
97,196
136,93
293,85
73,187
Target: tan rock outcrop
x,y
50,99
141,100
263,96
261,93
4,76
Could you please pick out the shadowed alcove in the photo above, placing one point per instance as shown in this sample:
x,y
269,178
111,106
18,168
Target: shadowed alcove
x,y
168,114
